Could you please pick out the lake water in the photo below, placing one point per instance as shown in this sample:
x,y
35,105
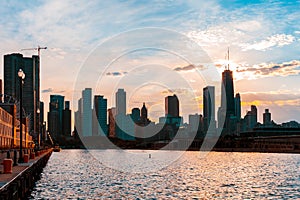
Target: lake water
x,y
79,174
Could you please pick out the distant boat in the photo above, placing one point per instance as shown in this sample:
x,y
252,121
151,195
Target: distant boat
x,y
56,149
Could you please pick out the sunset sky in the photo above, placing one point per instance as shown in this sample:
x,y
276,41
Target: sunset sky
x,y
150,48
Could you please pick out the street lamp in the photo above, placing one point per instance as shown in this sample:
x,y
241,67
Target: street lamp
x,y
38,134
21,76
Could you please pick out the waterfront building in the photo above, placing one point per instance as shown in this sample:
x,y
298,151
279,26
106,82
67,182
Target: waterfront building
x,y
136,115
209,119
78,118
121,102
237,105
267,117
227,119
87,112
31,88
53,125
172,106
250,119
100,114
57,105
66,122
125,127
144,116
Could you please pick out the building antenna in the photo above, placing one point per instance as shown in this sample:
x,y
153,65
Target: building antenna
x,y
228,58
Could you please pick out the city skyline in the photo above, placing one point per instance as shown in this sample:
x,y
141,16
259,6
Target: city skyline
x,y
263,42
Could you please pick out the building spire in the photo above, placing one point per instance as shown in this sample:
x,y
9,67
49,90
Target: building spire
x,y
228,58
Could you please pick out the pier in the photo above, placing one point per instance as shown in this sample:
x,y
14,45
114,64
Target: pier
x,y
18,183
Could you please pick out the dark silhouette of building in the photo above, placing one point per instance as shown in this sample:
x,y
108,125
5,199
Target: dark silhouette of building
x,y
53,124
250,119
144,116
100,112
267,117
55,117
136,115
66,123
31,87
227,81
227,120
209,108
237,105
172,106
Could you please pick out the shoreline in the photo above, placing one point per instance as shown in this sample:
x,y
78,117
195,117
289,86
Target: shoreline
x,y
240,150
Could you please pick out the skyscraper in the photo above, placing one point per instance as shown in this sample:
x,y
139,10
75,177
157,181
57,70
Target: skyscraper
x,y
237,105
100,112
121,102
172,106
53,125
144,113
266,117
171,112
209,107
226,113
135,115
57,103
87,112
78,118
228,92
250,119
66,121
31,87
55,116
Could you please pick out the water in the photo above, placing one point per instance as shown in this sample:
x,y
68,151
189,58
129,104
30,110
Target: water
x,y
75,174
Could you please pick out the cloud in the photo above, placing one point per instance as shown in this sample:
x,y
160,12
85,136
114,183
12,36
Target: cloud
x,y
270,69
277,40
115,73
48,90
51,90
272,96
189,67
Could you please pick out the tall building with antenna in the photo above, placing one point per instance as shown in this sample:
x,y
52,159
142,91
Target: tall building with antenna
x,y
226,113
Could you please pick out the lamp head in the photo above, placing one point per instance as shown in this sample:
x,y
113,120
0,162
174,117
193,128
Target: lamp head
x,y
21,74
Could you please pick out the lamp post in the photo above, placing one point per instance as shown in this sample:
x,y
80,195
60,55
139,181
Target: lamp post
x,y
38,129
21,76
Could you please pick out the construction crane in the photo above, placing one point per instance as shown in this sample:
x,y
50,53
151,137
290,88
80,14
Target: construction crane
x,y
38,49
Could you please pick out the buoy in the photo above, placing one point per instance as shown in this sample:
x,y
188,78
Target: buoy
x,y
7,165
26,158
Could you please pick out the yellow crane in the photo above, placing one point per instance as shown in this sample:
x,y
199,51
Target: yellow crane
x,y
37,48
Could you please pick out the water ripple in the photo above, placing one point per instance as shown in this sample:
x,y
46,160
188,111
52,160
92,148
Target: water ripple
x,y
74,174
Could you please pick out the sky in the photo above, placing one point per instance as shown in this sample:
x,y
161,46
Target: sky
x,y
156,48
